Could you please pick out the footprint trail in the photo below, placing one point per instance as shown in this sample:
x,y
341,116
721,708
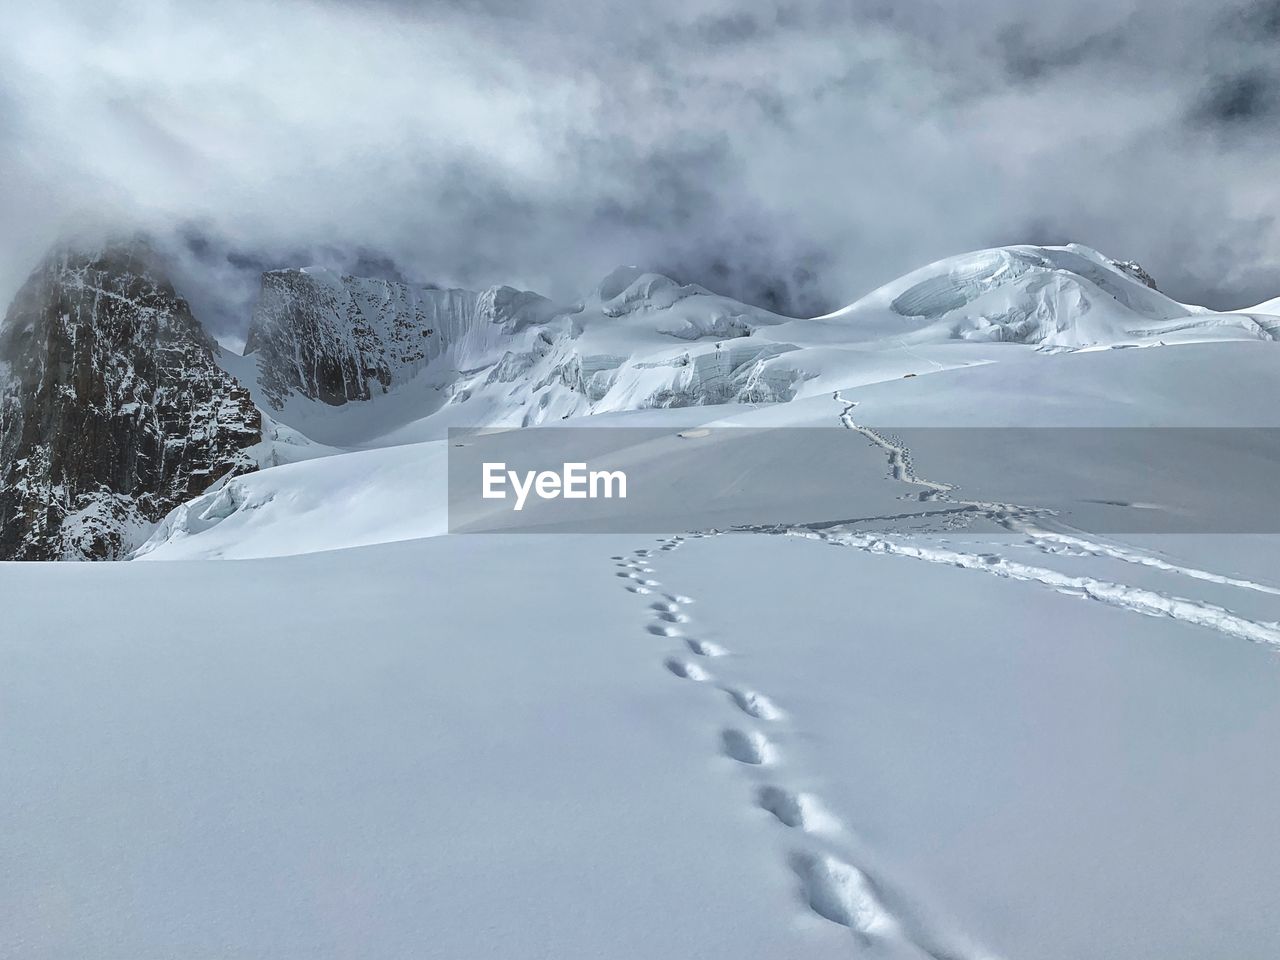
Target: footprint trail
x,y
831,884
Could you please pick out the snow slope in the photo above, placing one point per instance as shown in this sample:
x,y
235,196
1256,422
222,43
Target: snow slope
x,y
1271,307
375,496
826,753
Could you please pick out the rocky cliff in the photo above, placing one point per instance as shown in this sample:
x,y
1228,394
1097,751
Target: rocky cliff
x,y
337,338
112,407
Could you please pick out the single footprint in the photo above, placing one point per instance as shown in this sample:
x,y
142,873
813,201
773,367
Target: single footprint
x,y
705,648
617,558
754,704
686,670
649,583
749,747
662,630
639,589
667,617
678,598
801,811
664,606
842,894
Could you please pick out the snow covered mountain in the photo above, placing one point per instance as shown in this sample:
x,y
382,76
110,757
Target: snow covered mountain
x,y
641,349
495,357
120,408
1056,297
639,340
113,410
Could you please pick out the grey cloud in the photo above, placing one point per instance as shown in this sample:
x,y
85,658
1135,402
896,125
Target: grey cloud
x,y
1028,58
795,154
1241,98
1256,21
728,28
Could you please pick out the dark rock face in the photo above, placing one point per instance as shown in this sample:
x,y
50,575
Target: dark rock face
x,y
336,338
1135,270
112,407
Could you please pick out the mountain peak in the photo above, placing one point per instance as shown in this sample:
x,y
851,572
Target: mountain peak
x,y
629,288
113,408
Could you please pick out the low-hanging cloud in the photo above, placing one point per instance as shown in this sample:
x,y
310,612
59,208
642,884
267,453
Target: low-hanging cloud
x,y
793,154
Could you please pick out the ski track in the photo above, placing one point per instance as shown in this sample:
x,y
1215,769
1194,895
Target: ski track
x,y
1135,599
1015,518
1049,542
830,884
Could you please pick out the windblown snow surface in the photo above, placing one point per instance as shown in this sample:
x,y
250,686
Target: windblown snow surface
x,y
936,723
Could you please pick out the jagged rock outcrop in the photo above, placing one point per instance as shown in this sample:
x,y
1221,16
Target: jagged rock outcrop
x,y
337,338
1135,270
112,407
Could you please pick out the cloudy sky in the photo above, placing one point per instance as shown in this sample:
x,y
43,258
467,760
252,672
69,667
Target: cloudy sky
x,y
794,154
